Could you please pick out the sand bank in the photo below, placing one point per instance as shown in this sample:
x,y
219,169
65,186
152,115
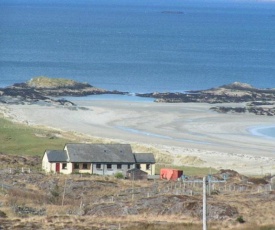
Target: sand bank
x,y
218,140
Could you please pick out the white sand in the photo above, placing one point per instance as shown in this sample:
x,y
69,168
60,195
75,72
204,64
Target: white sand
x,y
187,129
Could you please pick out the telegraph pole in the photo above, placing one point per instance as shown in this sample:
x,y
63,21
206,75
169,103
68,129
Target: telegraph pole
x,y
204,220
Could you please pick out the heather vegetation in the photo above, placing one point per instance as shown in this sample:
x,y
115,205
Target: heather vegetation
x,y
31,199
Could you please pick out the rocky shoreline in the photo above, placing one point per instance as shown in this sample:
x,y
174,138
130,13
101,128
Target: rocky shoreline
x,y
49,90
258,101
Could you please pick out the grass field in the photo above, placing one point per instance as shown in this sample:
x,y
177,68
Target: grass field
x,y
21,139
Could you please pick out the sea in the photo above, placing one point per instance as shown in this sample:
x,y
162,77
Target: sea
x,y
139,46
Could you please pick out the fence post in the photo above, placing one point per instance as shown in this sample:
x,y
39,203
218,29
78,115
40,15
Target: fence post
x,y
209,186
64,192
204,205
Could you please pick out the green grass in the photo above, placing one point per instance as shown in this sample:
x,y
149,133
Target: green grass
x,y
24,140
188,170
46,82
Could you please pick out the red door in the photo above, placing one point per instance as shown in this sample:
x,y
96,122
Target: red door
x,y
57,167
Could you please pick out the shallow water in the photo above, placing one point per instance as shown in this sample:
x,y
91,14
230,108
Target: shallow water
x,y
265,132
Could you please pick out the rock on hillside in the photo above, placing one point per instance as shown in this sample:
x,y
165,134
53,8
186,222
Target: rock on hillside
x,y
165,205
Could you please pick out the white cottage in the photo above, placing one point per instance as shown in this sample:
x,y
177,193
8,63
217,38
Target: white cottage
x,y
102,159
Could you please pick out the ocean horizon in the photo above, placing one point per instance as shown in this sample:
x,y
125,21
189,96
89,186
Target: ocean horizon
x,y
139,47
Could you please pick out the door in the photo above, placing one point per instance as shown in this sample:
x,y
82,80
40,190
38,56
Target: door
x,y
57,167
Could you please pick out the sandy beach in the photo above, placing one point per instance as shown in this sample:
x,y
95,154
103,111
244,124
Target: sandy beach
x,y
184,131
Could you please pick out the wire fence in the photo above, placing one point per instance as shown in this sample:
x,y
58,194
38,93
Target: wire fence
x,y
185,188
160,187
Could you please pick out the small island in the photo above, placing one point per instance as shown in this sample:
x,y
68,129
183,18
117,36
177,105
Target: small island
x,y
172,12
257,101
45,89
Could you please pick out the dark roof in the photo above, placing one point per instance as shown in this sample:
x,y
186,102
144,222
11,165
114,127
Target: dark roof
x,y
145,158
135,170
100,153
56,155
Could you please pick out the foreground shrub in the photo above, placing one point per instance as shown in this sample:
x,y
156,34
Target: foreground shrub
x,y
240,220
2,214
119,175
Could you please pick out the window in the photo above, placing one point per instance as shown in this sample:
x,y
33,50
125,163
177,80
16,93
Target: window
x,y
148,166
98,166
129,166
85,166
119,166
109,166
64,165
138,166
76,166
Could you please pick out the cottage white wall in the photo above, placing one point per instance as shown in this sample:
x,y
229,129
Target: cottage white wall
x,y
105,171
150,171
82,170
46,165
68,170
52,167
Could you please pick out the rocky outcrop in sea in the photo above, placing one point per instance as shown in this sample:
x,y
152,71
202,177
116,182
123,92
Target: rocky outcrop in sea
x,y
43,90
48,90
235,92
257,101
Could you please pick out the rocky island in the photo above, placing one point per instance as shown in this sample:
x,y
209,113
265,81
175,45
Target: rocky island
x,y
257,101
44,89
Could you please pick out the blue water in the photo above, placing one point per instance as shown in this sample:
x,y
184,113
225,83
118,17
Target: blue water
x,y
132,46
113,97
265,132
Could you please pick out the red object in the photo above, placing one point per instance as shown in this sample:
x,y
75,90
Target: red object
x,y
57,167
170,174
